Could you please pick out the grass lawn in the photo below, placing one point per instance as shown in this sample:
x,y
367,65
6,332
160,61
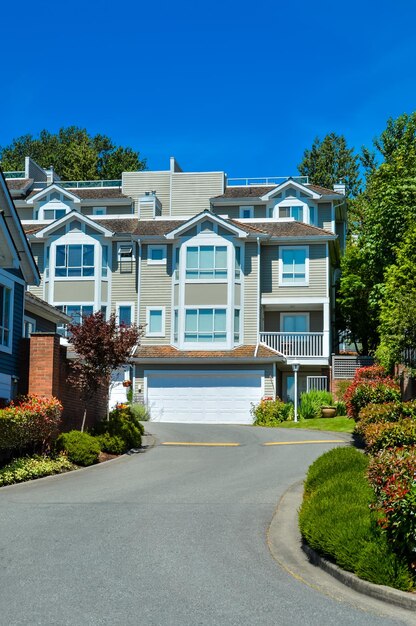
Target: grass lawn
x,y
336,424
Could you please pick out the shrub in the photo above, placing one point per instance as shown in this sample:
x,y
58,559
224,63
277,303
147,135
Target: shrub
x,y
392,475
337,521
389,435
28,468
341,388
140,412
312,402
112,444
30,422
124,423
341,408
80,448
365,390
373,372
380,413
271,412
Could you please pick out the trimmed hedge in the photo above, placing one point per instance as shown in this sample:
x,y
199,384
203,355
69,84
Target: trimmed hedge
x,y
336,520
80,448
28,468
371,385
271,412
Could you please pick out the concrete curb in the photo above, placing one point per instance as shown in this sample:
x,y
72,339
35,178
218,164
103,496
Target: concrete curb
x,y
304,564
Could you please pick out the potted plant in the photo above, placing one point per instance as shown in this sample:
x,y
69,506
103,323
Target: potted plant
x,y
328,411
126,383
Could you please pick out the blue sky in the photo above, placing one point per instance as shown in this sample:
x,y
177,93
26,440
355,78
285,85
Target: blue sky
x,y
234,86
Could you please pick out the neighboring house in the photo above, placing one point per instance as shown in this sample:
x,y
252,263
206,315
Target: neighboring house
x,y
232,279
17,269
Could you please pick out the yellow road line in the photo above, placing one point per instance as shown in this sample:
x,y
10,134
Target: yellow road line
x,y
293,443
198,443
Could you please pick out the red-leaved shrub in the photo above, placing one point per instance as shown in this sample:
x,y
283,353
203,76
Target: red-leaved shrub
x,y
371,385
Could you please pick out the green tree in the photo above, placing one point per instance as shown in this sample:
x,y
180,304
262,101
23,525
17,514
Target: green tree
x,y
74,153
330,161
398,306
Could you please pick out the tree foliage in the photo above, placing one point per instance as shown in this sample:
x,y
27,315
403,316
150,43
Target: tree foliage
x,y
74,153
330,161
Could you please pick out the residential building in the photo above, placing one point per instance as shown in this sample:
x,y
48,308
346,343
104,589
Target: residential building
x,y
233,280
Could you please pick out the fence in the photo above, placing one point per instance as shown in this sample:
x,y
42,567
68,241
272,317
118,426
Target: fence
x,y
343,367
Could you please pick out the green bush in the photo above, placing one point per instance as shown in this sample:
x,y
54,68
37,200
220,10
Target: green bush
x,y
28,468
112,444
389,435
312,402
341,408
336,520
80,448
123,422
271,412
140,412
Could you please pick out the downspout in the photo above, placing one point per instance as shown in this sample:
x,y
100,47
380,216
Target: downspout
x,y
258,297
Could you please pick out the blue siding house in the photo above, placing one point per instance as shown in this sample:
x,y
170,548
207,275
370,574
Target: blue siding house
x,y
17,270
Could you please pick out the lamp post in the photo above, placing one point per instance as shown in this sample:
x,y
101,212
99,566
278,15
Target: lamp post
x,y
295,368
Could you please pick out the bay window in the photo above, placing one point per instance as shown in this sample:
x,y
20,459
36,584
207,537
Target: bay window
x,y
74,260
206,262
205,325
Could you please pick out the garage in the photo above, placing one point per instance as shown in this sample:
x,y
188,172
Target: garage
x,y
203,397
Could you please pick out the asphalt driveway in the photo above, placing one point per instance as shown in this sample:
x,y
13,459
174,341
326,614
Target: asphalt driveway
x,y
173,536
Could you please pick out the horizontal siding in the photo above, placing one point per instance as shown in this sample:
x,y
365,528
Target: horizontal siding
x,y
325,216
156,290
123,286
38,253
10,363
250,300
233,212
135,184
191,192
270,273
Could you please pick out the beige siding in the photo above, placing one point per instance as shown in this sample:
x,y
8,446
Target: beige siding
x,y
233,212
270,273
123,286
73,291
111,210
191,192
325,216
271,322
205,294
135,184
250,303
38,253
156,290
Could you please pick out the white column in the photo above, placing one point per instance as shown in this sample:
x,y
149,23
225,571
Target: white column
x,y
326,329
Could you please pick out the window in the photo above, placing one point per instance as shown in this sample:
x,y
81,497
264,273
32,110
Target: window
x,y
236,325
246,212
155,319
292,211
124,315
206,262
238,263
99,210
125,258
48,250
312,215
53,214
5,316
176,263
175,325
104,262
104,311
294,322
293,266
77,312
205,325
156,255
74,260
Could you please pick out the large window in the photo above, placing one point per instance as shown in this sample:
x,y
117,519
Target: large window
x,y
206,262
205,325
293,266
294,322
5,316
292,211
53,214
76,312
73,260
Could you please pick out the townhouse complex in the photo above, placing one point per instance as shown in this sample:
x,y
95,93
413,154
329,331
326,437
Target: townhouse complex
x,y
232,280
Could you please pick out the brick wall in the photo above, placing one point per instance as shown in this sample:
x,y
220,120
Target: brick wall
x,y
48,376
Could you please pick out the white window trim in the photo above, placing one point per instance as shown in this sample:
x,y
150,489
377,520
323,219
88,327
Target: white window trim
x,y
284,314
161,261
291,202
8,284
246,208
130,304
210,345
217,242
96,210
149,309
28,320
305,283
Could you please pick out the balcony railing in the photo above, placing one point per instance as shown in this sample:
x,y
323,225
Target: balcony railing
x,y
295,344
265,180
15,174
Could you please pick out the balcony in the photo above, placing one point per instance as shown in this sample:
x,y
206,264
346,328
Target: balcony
x,y
297,345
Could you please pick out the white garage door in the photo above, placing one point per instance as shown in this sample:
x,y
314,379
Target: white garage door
x,y
220,397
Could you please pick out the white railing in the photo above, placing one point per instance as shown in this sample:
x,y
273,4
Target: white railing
x,y
15,174
83,184
265,180
316,383
295,344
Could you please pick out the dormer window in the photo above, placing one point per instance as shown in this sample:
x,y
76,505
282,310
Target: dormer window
x,y
53,214
294,211
246,212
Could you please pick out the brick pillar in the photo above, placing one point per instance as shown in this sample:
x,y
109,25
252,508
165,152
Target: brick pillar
x,y
44,364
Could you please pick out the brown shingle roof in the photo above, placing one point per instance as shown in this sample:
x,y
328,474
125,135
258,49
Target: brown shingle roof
x,y
258,192
18,183
290,229
91,194
170,352
323,191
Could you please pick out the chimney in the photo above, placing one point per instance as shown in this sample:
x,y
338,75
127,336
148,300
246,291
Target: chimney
x,y
340,188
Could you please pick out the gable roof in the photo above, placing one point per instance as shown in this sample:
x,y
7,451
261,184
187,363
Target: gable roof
x,y
47,228
259,192
206,215
14,227
54,187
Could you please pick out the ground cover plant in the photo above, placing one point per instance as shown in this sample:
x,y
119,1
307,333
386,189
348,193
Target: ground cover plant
x,y
271,412
337,521
28,468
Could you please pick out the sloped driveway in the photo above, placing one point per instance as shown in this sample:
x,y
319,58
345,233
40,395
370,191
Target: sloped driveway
x,y
173,536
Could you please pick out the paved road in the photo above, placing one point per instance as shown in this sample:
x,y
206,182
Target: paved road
x,y
175,536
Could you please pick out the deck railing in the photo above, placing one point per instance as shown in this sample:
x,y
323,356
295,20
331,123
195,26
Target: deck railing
x,y
295,344
265,180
